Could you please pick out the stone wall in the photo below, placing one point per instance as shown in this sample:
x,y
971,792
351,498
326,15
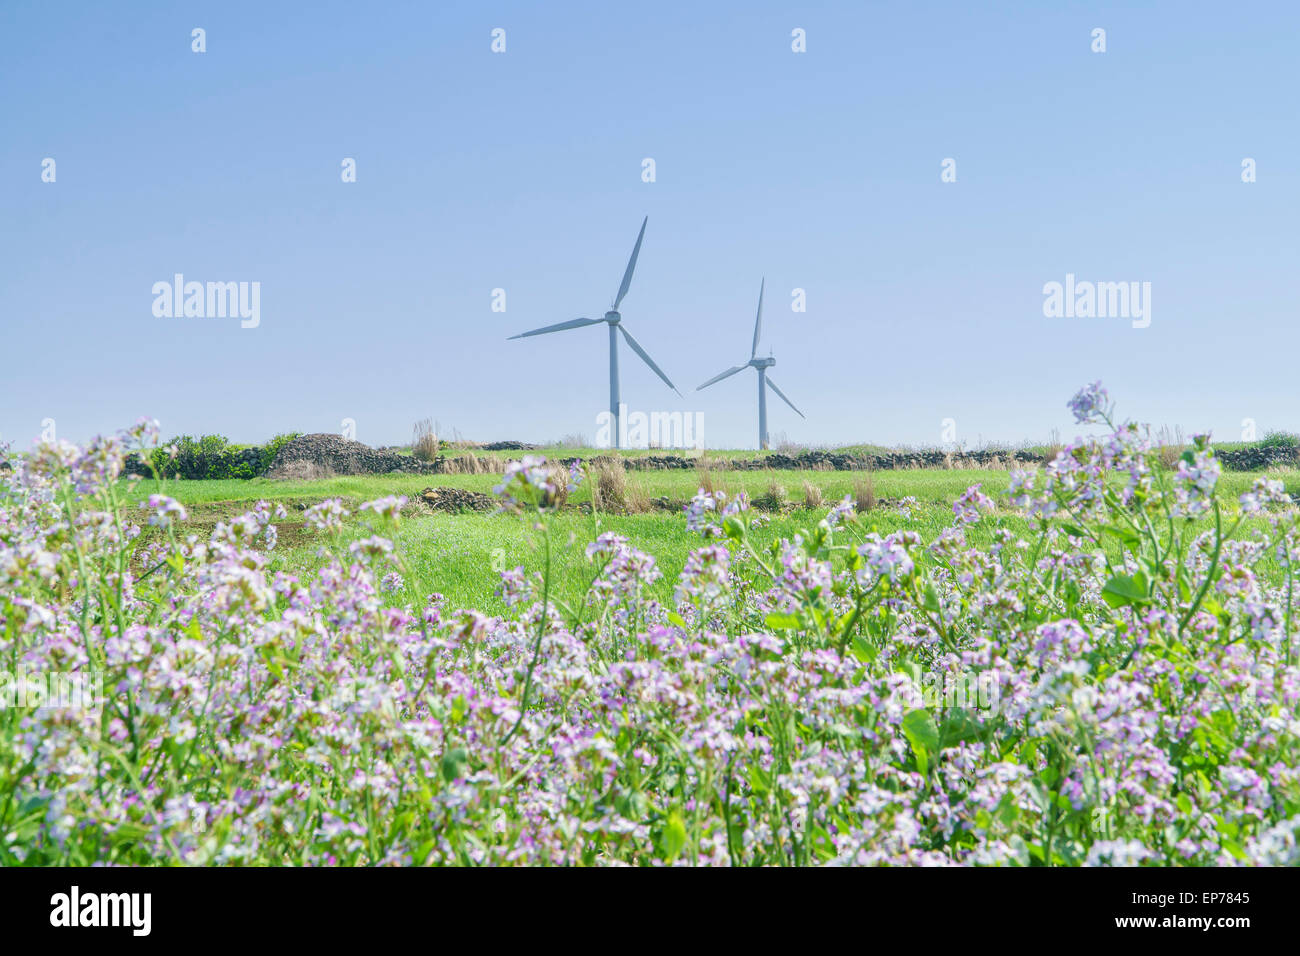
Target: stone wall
x,y
1257,458
334,454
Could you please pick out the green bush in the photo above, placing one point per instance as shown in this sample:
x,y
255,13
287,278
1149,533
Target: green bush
x,y
1276,439
212,457
195,459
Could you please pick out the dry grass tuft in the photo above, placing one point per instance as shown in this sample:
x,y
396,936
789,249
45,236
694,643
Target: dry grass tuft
x,y
613,491
473,465
864,493
638,498
462,465
609,485
1170,446
424,442
1054,446
812,496
704,477
558,477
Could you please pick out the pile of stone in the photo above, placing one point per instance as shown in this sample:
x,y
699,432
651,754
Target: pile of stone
x,y
651,462
836,461
457,499
1257,458
321,455
508,446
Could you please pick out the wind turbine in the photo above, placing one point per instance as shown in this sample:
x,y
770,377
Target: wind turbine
x,y
764,383
614,319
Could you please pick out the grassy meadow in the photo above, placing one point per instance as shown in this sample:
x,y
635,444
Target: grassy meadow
x,y
458,554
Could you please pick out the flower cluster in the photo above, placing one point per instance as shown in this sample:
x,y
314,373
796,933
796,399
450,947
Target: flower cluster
x,y
528,481
1090,404
1138,682
967,508
722,506
1196,478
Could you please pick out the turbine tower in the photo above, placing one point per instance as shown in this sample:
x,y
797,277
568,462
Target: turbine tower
x,y
614,320
762,365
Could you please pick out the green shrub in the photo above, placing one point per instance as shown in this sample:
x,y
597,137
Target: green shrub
x,y
272,448
212,457
1276,439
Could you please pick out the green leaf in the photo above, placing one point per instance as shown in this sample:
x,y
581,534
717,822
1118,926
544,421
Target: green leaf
x,y
454,764
422,852
1124,534
864,650
842,622
1007,811
674,837
1124,589
676,620
822,844
959,725
1070,591
780,621
273,665
459,708
931,602
923,735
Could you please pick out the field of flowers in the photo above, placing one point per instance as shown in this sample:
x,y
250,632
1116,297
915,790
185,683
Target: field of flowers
x,y
1107,676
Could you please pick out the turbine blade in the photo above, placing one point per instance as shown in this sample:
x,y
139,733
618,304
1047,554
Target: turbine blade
x,y
772,385
719,377
636,347
559,327
758,320
631,265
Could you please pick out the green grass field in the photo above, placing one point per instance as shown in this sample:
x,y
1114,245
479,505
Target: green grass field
x,y
931,486
455,554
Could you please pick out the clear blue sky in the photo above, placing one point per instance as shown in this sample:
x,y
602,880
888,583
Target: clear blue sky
x,y
522,171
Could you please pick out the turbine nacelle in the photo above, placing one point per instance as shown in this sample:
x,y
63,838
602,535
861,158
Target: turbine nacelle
x,y
762,362
612,317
